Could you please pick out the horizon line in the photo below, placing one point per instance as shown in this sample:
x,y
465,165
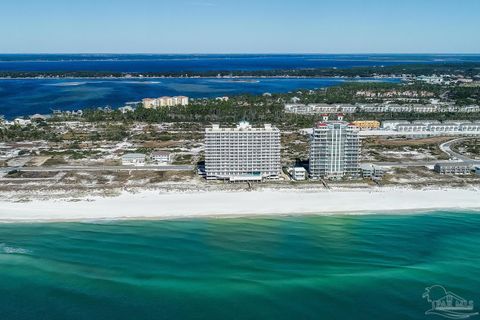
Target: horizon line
x,y
246,53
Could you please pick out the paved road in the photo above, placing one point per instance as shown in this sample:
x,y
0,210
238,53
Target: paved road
x,y
419,163
109,168
447,148
406,164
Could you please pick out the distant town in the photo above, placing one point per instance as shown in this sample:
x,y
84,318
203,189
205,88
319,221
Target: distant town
x,y
423,131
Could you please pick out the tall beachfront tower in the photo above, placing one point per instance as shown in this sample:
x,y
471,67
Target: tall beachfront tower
x,y
243,153
334,149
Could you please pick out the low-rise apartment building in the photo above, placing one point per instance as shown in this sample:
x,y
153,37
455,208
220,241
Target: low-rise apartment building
x,y
411,127
444,127
150,103
367,124
298,173
133,159
471,127
319,108
392,124
456,168
434,126
161,157
372,171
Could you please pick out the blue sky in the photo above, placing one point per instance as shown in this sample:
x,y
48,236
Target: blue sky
x,y
240,26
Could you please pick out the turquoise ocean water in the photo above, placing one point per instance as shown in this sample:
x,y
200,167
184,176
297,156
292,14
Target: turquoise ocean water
x,y
310,267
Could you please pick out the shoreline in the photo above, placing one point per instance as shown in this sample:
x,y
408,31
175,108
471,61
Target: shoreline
x,y
155,205
199,77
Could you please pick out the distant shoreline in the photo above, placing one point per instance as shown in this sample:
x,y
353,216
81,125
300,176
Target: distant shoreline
x,y
154,205
412,69
194,77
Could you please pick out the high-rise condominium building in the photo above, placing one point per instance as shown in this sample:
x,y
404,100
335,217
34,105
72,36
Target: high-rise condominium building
x,y
334,149
243,153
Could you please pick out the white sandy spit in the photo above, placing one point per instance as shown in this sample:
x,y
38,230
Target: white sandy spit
x,y
156,205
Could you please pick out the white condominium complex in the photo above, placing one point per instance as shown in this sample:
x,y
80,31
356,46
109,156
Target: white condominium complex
x,y
243,153
334,149
150,103
180,101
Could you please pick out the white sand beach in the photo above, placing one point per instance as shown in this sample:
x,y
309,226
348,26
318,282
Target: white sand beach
x,y
156,205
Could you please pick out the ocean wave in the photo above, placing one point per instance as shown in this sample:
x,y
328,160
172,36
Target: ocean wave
x,y
12,250
67,84
141,82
